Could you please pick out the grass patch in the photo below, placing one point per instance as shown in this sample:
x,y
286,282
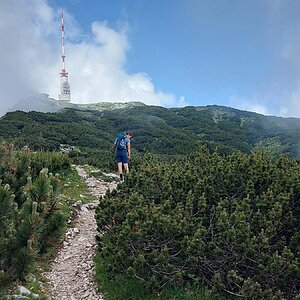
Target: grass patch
x,y
101,176
123,287
97,173
74,188
34,283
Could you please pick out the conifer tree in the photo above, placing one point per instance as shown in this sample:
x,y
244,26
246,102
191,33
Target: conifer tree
x,y
30,219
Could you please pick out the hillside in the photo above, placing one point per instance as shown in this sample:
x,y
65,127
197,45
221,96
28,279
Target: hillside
x,y
43,103
226,222
174,131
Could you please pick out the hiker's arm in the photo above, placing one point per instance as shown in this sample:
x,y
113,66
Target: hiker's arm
x,y
115,144
128,150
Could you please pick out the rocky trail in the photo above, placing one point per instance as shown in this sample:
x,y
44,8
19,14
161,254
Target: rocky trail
x,y
72,271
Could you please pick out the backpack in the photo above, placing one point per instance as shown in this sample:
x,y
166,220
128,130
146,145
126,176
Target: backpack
x,y
120,142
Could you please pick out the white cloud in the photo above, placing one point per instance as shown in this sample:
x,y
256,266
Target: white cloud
x,y
30,58
25,34
284,84
249,104
279,92
292,106
182,102
98,73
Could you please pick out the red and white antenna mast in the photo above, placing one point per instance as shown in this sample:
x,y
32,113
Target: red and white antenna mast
x,y
65,92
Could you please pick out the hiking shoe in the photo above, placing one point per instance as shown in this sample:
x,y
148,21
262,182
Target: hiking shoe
x,y
121,177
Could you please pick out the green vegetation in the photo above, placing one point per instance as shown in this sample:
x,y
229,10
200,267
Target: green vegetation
x,y
230,223
181,221
74,189
31,220
167,132
124,287
97,173
102,106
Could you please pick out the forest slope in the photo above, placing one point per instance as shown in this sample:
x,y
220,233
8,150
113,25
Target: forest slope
x,y
156,129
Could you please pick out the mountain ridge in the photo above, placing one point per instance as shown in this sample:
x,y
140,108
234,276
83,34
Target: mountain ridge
x,y
166,131
44,103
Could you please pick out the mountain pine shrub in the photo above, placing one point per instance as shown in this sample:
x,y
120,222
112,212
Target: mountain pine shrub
x,y
30,219
230,223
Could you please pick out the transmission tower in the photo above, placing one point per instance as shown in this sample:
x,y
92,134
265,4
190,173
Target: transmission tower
x,y
65,91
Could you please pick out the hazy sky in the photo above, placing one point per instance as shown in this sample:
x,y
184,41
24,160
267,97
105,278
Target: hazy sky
x,y
239,53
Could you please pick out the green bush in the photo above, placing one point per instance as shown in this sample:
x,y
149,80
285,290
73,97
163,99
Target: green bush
x,y
53,161
30,220
231,223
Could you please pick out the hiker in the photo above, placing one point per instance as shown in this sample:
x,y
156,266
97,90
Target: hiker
x,y
122,147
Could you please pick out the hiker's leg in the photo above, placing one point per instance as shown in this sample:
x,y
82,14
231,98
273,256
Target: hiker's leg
x,y
120,169
126,167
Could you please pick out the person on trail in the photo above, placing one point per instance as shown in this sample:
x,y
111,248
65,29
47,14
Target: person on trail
x,y
122,148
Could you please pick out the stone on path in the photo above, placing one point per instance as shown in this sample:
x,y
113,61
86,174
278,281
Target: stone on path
x,y
72,271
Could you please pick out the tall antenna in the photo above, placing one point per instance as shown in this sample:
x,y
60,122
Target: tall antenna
x,y
65,92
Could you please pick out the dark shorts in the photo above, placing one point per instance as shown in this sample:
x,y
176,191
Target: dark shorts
x,y
121,156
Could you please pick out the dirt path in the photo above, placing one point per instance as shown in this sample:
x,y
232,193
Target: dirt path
x,y
71,275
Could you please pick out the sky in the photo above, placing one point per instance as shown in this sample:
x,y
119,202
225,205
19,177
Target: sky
x,y
238,53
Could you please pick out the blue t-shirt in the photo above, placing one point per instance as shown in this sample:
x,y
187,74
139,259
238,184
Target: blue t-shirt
x,y
123,143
